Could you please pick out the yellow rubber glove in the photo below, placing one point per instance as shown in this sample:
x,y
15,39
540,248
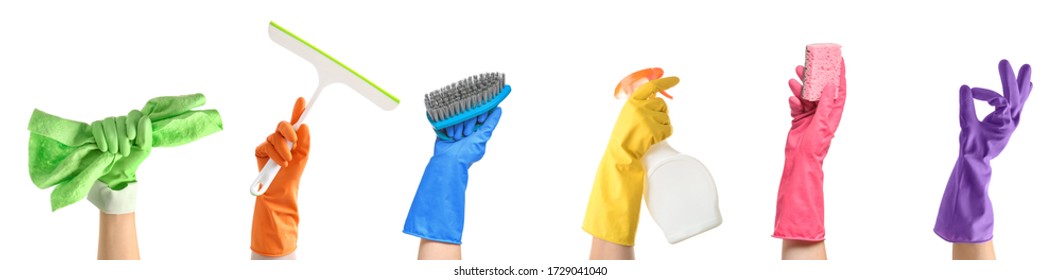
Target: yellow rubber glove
x,y
615,202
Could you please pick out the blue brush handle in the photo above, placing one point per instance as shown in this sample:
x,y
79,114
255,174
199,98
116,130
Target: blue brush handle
x,y
470,114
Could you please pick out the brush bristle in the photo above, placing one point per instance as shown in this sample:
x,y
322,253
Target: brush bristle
x,y
463,95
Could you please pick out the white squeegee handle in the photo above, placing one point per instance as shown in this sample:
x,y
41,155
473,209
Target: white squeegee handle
x,y
268,173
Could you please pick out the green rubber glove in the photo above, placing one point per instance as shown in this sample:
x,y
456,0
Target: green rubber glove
x,y
127,136
73,155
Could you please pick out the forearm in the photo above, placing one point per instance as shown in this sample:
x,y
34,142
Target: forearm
x,y
604,250
802,250
434,250
117,237
973,251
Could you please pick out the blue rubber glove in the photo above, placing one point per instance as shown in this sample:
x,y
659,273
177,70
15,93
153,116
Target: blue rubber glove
x,y
437,212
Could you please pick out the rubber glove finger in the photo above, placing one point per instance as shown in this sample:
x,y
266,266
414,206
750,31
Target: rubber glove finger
x,y
795,105
274,155
1029,90
662,128
259,153
144,137
302,147
1024,82
966,108
996,100
826,105
110,132
990,96
131,121
300,106
283,151
1009,83
654,104
458,131
650,88
287,131
797,90
1024,77
482,117
796,87
668,130
659,118
281,145
449,132
799,72
491,121
665,132
123,138
469,127
97,132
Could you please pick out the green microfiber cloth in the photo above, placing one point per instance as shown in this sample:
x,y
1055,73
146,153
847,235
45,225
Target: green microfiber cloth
x,y
64,152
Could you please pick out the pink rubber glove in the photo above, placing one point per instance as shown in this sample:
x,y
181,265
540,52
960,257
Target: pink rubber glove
x,y
800,206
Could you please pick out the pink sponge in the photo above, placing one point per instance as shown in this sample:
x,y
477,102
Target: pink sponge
x,y
822,68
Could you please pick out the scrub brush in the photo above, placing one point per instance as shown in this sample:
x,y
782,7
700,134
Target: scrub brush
x,y
464,100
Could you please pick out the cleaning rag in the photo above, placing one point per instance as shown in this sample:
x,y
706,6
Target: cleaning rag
x,y
72,155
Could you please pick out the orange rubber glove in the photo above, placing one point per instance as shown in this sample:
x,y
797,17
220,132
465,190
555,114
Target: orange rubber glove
x,y
274,232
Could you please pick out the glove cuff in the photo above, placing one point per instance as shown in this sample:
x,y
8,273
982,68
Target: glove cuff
x,y
274,228
111,201
437,211
800,201
615,201
965,213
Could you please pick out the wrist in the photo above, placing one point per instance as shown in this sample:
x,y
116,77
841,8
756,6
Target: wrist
x,y
803,164
623,159
448,162
974,161
807,156
274,228
117,237
970,172
965,212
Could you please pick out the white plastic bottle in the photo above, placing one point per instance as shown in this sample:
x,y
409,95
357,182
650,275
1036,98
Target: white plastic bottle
x,y
680,193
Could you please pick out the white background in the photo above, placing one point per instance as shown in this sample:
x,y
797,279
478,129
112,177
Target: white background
x,y
885,172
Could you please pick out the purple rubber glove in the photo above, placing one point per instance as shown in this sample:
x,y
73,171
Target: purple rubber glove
x,y
965,215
